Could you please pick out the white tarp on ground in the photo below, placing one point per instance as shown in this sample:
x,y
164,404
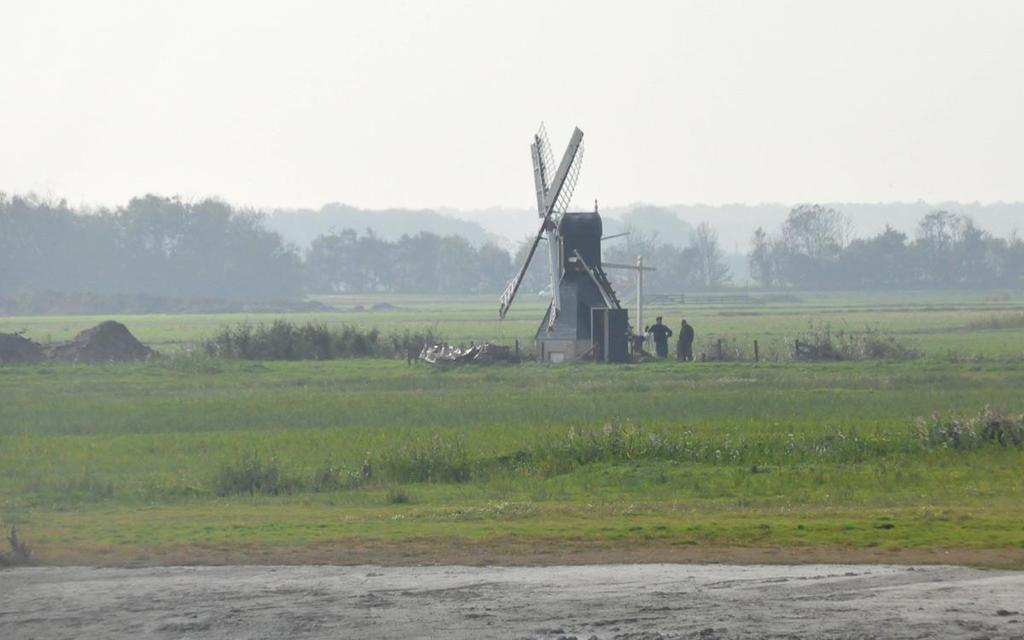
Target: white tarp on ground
x,y
444,353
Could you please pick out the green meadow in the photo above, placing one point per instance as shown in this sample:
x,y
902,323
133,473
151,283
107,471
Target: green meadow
x,y
193,459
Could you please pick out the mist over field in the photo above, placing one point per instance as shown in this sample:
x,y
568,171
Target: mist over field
x,y
673,223
156,248
547,319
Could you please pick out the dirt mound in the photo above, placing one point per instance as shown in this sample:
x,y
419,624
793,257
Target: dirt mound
x,y
16,348
108,341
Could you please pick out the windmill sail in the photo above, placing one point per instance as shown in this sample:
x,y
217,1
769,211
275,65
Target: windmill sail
x,y
548,160
543,167
562,185
554,193
572,176
510,291
540,178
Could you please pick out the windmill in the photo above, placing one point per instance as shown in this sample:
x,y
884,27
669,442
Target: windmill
x,y
584,316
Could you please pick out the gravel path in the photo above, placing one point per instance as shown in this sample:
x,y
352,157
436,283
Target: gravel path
x,y
451,602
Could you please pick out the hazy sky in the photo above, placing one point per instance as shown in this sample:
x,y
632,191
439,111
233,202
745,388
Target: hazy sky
x,y
427,104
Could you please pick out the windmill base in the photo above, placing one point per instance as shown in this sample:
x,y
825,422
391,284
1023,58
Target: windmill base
x,y
561,350
608,341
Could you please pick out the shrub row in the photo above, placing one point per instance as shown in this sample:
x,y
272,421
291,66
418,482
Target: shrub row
x,y
283,340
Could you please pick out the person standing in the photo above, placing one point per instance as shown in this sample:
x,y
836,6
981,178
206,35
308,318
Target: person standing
x,y
661,334
684,348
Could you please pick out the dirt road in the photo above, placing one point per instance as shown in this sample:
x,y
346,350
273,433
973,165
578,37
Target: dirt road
x,y
603,601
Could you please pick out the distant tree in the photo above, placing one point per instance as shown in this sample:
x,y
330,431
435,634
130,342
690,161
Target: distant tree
x,y
937,233
422,263
44,245
881,262
762,259
417,262
330,263
1013,261
815,231
257,264
375,265
710,270
950,250
494,265
977,255
808,248
674,273
458,268
626,249
155,246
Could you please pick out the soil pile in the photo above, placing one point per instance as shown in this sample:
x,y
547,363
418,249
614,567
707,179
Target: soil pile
x,y
108,341
15,348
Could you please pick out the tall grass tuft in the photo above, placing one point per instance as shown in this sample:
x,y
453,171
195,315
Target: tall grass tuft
x,y
616,442
997,322
330,477
191,361
990,426
20,553
251,475
820,343
397,495
442,459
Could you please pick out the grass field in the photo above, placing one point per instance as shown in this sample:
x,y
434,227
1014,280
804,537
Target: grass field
x,y
191,459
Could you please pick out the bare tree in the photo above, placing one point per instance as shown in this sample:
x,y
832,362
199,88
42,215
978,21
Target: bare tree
x,y
761,258
815,231
711,271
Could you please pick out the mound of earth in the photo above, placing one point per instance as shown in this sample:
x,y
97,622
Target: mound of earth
x,y
385,306
15,348
108,341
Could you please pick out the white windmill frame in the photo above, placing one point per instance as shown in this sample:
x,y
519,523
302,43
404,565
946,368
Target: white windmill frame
x,y
554,195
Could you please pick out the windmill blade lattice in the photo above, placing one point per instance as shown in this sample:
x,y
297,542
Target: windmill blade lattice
x,y
554,195
565,195
546,156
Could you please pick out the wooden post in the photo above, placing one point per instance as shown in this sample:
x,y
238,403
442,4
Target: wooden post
x,y
756,355
796,349
639,293
720,350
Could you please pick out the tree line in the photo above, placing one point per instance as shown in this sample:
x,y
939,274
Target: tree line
x,y
210,250
154,245
813,250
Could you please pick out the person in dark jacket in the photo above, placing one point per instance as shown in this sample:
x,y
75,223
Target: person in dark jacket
x,y
661,334
684,348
